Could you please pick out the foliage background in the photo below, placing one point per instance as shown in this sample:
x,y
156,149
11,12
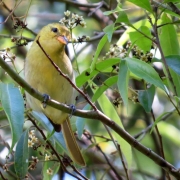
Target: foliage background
x,y
136,120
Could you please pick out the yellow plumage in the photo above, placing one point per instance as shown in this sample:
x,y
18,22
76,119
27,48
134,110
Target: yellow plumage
x,y
41,75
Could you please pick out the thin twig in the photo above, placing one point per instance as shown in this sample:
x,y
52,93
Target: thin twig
x,y
98,7
123,162
109,163
18,37
75,169
145,131
160,141
66,77
94,115
2,176
9,10
106,158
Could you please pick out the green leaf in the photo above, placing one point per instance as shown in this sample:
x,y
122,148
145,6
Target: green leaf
x,y
176,81
101,44
173,62
125,36
144,71
145,4
140,40
21,156
146,97
108,109
58,136
122,18
168,37
117,9
157,120
109,30
80,122
103,66
13,104
170,132
123,80
106,84
167,11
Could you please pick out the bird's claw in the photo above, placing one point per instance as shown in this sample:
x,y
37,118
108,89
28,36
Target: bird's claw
x,y
45,100
73,108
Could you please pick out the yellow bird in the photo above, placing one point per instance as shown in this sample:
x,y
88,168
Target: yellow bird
x,y
41,75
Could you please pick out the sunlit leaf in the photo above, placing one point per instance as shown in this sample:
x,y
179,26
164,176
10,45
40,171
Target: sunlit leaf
x,y
117,9
125,36
122,18
168,37
145,4
109,30
170,132
103,66
140,39
106,84
145,71
100,46
157,120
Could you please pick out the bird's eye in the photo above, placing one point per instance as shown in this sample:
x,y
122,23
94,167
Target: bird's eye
x,y
55,30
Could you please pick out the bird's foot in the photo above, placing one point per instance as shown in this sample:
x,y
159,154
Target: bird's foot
x,y
45,100
73,109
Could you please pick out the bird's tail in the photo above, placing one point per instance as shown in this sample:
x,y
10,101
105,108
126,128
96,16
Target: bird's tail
x,y
71,143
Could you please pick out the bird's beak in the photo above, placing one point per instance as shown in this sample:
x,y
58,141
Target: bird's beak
x,y
62,39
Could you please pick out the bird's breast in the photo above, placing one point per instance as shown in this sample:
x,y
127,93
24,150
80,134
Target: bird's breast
x,y
43,76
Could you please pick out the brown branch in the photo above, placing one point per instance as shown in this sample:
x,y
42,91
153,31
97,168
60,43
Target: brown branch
x,y
94,115
174,8
1,174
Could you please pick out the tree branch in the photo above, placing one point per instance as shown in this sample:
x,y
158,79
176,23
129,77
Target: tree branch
x,y
94,115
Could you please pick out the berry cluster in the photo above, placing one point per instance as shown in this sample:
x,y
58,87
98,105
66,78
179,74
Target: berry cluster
x,y
18,25
19,41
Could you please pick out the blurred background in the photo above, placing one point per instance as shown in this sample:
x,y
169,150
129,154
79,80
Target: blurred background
x,y
37,14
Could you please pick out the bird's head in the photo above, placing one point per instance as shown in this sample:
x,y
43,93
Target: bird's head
x,y
54,36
